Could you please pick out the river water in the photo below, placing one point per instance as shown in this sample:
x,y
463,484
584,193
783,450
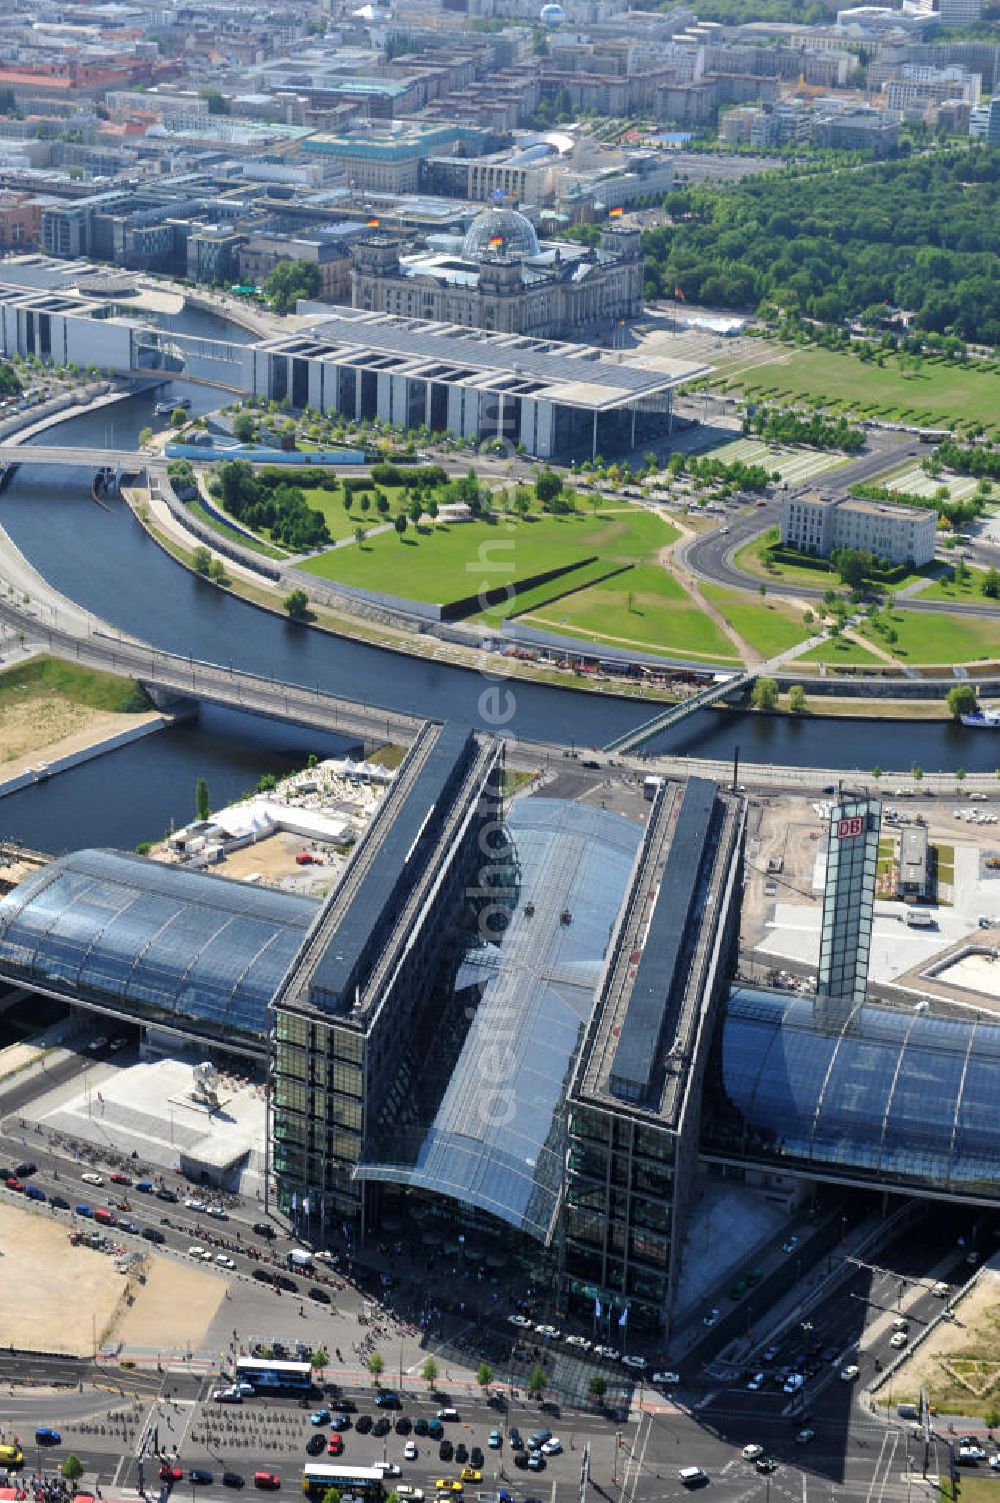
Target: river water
x,y
104,560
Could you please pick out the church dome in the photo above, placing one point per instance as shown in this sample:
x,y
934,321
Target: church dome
x,y
502,230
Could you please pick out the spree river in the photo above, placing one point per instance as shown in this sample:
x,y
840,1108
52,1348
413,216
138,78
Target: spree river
x,y
105,561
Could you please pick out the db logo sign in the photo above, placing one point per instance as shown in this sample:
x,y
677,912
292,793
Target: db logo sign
x,y
848,828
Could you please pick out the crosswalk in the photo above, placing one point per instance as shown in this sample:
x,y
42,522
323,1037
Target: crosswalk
x,y
794,465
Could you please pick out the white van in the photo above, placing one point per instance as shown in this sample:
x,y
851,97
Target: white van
x,y
692,1476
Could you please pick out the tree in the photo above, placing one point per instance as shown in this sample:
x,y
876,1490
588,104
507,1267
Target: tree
x,y
917,774
178,418
202,806
289,281
765,694
381,503
429,1371
145,438
72,1468
853,566
244,427
319,1359
990,584
331,1495
876,772
484,1375
400,525
992,1417
959,774
376,1366
416,511
217,572
762,589
538,1382
359,536
961,700
547,486
297,605
597,1387
796,699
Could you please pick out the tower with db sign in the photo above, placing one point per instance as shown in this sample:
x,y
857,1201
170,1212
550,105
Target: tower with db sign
x,y
848,900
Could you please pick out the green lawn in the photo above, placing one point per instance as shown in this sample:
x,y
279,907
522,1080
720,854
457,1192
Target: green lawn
x,y
769,626
969,590
447,562
941,394
43,678
644,608
839,650
341,522
546,594
196,509
940,638
748,558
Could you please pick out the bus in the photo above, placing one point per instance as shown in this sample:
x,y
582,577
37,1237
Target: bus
x,y
269,1375
350,1481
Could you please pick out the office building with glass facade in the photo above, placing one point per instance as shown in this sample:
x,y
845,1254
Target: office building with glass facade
x,y
635,1102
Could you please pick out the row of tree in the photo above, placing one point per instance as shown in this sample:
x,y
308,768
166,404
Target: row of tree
x,y
956,513
783,425
918,234
971,459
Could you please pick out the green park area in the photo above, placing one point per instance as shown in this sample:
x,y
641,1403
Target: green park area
x,y
50,679
769,626
922,637
940,393
967,589
840,650
751,559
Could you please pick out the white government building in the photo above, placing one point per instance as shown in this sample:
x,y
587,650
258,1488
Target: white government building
x,y
820,521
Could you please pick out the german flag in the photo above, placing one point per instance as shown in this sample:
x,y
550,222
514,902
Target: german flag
x,y
679,294
616,213
495,241
373,224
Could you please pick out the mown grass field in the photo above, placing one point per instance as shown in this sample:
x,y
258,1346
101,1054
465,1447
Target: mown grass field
x,y
939,395
939,638
839,650
449,561
769,626
645,608
49,678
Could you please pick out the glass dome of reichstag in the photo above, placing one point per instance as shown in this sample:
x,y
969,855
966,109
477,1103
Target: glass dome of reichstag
x,y
502,230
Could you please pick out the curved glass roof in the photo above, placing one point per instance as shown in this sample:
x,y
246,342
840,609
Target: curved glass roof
x,y
483,1117
153,941
502,230
899,1097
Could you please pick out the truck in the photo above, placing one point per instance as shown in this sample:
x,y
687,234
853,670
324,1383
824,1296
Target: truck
x,y
920,918
297,1257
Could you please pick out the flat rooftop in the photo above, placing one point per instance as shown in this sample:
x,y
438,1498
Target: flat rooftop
x,y
330,969
574,374
659,978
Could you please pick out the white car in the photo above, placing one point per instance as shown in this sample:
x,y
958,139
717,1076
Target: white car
x,y
899,1339
415,1494
994,1462
756,1383
91,1178
609,1353
751,1452
410,1451
667,1379
793,1382
790,1245
848,1374
224,1260
552,1332
973,1452
201,1253
227,1396
582,1343
387,1468
551,1447
638,1363
219,1212
710,1317
521,1321
194,1204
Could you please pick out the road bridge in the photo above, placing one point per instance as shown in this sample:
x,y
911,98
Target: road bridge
x,y
170,676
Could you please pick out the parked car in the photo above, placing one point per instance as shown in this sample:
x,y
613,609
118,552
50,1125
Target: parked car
x,y
46,1436
752,1451
269,1481
198,1476
316,1445
233,1479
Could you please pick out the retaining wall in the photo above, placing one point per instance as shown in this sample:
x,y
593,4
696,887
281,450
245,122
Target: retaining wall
x,y
46,770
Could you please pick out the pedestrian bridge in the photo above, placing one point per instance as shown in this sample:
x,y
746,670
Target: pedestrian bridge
x,y
633,741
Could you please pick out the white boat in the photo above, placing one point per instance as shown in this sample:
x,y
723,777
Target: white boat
x,y
986,719
164,409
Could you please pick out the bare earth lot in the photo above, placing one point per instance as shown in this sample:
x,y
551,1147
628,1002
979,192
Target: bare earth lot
x,y
960,1362
42,728
172,1310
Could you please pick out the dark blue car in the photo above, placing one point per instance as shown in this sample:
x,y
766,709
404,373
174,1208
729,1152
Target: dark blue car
x,y
83,1210
34,1192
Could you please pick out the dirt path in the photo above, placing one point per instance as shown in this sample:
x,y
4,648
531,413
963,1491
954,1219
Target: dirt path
x,y
872,647
747,654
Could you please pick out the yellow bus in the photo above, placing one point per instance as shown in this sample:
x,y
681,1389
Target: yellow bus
x,y
11,1455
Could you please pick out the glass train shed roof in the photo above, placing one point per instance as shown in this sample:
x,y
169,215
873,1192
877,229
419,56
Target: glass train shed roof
x,y
484,1120
152,941
897,1097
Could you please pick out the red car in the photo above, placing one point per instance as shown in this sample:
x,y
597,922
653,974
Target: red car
x,y
170,1473
266,1480
14,1184
119,1179
335,1446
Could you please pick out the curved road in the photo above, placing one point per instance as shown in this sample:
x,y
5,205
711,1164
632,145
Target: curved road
x,y
710,555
